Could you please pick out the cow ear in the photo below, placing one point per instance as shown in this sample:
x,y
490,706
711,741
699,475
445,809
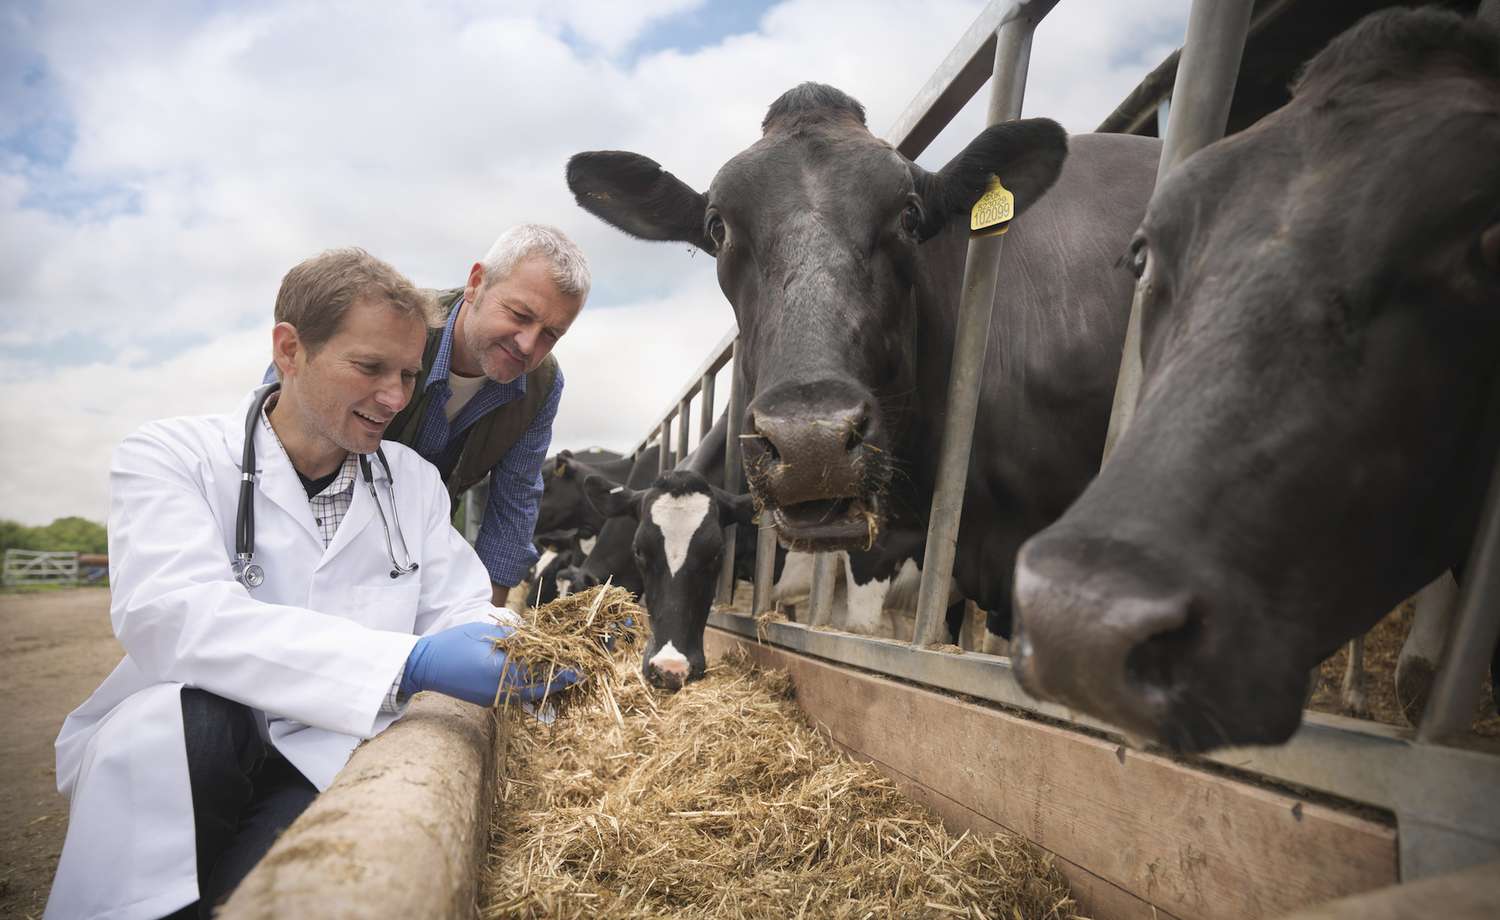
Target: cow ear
x,y
560,467
1027,156
634,194
733,509
611,499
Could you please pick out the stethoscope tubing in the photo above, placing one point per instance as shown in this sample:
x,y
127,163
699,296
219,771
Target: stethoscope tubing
x,y
250,573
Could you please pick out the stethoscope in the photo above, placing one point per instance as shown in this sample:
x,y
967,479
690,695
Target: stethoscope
x,y
250,573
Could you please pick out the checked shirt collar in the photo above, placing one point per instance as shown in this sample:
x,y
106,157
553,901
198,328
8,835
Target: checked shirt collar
x,y
330,505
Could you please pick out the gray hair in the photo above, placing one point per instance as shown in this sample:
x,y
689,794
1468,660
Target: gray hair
x,y
570,270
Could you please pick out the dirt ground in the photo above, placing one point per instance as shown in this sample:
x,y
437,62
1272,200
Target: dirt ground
x,y
55,648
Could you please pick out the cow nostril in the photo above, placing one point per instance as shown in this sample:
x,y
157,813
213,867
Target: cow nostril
x,y
858,428
1158,664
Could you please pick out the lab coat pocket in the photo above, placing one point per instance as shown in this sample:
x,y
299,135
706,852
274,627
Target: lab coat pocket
x,y
390,607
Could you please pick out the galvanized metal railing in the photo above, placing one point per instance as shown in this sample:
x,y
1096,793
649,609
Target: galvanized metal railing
x,y
1441,792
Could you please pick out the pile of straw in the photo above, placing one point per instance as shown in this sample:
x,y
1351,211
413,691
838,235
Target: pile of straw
x,y
571,633
720,801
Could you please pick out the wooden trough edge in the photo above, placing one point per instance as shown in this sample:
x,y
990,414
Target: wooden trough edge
x,y
401,833
1137,835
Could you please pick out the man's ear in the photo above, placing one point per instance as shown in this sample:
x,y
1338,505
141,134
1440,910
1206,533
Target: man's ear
x,y
733,509
285,344
475,282
634,194
1027,155
611,499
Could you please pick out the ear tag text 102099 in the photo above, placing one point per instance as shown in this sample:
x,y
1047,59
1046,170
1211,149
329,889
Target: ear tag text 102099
x,y
993,211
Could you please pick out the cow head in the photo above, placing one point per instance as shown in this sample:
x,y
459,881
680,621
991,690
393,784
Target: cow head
x,y
563,507
1321,326
822,235
678,548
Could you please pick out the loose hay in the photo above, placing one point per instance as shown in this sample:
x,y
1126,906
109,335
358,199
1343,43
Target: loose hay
x,y
570,632
720,801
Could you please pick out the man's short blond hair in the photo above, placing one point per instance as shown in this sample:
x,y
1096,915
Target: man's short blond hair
x,y
316,294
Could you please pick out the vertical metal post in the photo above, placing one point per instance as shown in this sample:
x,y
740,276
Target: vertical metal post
x,y
970,342
765,568
682,430
1472,637
1201,96
664,456
732,472
706,408
820,605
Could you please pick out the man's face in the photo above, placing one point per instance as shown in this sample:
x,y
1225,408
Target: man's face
x,y
513,322
350,389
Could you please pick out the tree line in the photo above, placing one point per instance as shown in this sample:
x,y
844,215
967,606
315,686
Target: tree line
x,y
62,535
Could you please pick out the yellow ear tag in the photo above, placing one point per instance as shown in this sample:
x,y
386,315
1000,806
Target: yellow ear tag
x,y
993,211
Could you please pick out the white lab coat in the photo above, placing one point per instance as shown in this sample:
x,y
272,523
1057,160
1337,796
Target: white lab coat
x,y
313,651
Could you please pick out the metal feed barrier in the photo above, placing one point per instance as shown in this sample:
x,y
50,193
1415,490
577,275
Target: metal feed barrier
x,y
1441,793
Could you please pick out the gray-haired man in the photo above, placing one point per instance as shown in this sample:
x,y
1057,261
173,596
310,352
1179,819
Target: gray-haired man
x,y
489,388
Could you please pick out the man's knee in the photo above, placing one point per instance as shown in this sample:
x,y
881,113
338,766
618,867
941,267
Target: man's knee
x,y
220,734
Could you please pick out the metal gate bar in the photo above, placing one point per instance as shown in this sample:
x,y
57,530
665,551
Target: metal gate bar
x,y
970,343
1199,113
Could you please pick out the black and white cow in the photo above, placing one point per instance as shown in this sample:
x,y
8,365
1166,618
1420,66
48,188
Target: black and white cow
x,y
1318,416
678,547
844,263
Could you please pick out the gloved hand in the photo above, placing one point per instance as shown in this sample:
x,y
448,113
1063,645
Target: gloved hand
x,y
462,662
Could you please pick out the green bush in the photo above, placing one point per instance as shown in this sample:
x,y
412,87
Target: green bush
x,y
69,533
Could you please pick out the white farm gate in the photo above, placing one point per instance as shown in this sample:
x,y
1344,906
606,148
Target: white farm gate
x,y
35,567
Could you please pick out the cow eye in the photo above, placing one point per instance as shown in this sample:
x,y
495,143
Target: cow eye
x,y
715,229
911,219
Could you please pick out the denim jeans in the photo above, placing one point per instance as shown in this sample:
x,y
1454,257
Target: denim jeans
x,y
244,794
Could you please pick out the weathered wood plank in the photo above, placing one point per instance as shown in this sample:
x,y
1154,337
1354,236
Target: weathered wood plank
x,y
1193,843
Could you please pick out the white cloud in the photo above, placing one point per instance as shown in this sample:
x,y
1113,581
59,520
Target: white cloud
x,y
249,138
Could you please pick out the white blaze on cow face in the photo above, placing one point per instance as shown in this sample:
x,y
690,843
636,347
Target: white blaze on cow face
x,y
587,544
679,517
670,661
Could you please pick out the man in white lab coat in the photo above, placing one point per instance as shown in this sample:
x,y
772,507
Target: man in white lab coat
x,y
240,698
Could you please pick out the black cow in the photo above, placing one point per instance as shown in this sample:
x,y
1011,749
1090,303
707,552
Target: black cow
x,y
844,263
678,547
1318,414
563,507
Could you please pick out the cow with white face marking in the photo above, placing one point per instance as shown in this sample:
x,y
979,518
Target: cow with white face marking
x,y
1318,416
678,548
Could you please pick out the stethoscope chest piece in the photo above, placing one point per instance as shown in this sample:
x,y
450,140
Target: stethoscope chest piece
x,y
253,576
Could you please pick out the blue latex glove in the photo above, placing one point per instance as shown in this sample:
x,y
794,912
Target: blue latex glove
x,y
462,662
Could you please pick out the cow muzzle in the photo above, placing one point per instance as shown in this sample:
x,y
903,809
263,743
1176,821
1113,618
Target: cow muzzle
x,y
1103,628
813,464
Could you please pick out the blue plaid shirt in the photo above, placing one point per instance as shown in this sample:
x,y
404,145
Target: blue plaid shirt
x,y
504,541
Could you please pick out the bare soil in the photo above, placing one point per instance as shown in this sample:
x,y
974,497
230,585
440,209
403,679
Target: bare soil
x,y
55,648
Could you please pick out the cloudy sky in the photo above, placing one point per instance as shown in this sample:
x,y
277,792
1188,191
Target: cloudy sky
x,y
163,163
